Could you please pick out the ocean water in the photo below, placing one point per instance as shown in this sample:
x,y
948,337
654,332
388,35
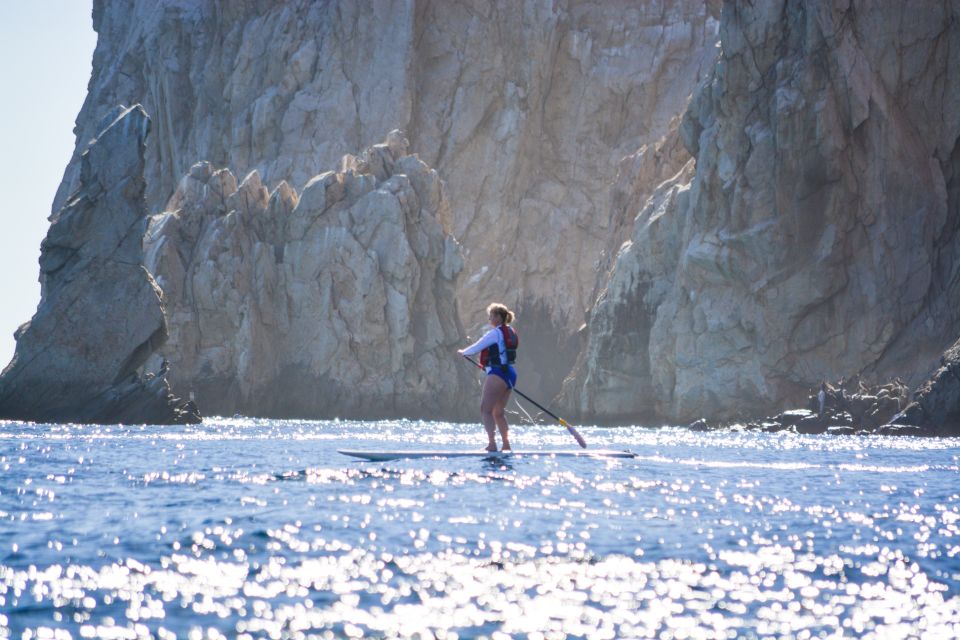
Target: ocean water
x,y
260,529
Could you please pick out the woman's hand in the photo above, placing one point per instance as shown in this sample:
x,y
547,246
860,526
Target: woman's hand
x,y
459,352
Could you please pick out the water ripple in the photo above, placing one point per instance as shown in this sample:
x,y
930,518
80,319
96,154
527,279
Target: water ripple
x,y
257,528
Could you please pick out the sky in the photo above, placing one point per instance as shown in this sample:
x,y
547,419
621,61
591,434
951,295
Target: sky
x,y
46,47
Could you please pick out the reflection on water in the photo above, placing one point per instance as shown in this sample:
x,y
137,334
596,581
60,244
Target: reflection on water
x,y
256,528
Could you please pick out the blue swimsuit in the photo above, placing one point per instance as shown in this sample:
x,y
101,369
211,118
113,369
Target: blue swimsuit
x,y
509,376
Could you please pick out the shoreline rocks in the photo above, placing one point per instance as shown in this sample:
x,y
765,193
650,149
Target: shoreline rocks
x,y
935,407
844,408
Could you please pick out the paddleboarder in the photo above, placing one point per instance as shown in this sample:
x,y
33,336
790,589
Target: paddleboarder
x,y
498,351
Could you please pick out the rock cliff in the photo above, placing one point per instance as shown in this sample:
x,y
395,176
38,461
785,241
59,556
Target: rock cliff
x,y
818,236
335,301
525,110
100,316
795,220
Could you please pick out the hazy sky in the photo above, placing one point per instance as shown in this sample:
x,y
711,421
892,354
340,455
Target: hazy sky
x,y
45,51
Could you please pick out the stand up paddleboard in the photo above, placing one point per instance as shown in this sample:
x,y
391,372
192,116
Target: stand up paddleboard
x,y
381,456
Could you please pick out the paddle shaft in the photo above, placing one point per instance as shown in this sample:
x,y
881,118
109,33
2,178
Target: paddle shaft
x,y
573,432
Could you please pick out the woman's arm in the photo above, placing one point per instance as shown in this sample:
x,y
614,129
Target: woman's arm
x,y
488,339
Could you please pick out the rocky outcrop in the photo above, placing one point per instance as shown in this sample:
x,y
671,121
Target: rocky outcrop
x,y
337,301
936,403
818,238
846,408
525,110
100,316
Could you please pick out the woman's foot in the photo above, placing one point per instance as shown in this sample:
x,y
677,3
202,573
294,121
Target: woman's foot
x,y
491,448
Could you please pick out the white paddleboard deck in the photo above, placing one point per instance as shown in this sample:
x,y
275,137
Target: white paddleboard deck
x,y
381,456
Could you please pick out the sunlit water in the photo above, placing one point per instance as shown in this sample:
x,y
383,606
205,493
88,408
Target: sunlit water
x,y
245,528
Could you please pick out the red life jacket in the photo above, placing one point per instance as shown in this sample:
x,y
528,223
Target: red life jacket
x,y
491,355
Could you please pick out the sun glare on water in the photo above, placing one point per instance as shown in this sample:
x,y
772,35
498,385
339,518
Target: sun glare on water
x,y
258,528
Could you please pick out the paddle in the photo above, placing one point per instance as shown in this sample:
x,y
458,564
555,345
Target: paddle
x,y
573,432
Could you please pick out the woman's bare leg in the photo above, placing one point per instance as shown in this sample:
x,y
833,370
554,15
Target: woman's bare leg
x,y
500,417
493,388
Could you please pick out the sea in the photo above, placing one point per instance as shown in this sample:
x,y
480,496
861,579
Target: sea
x,y
253,528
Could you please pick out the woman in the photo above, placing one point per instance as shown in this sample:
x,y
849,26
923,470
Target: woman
x,y
498,350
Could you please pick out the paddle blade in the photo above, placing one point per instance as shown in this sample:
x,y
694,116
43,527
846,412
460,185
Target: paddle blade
x,y
574,433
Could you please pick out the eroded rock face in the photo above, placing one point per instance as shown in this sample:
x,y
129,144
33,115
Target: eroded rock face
x,y
337,301
100,315
818,238
525,110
